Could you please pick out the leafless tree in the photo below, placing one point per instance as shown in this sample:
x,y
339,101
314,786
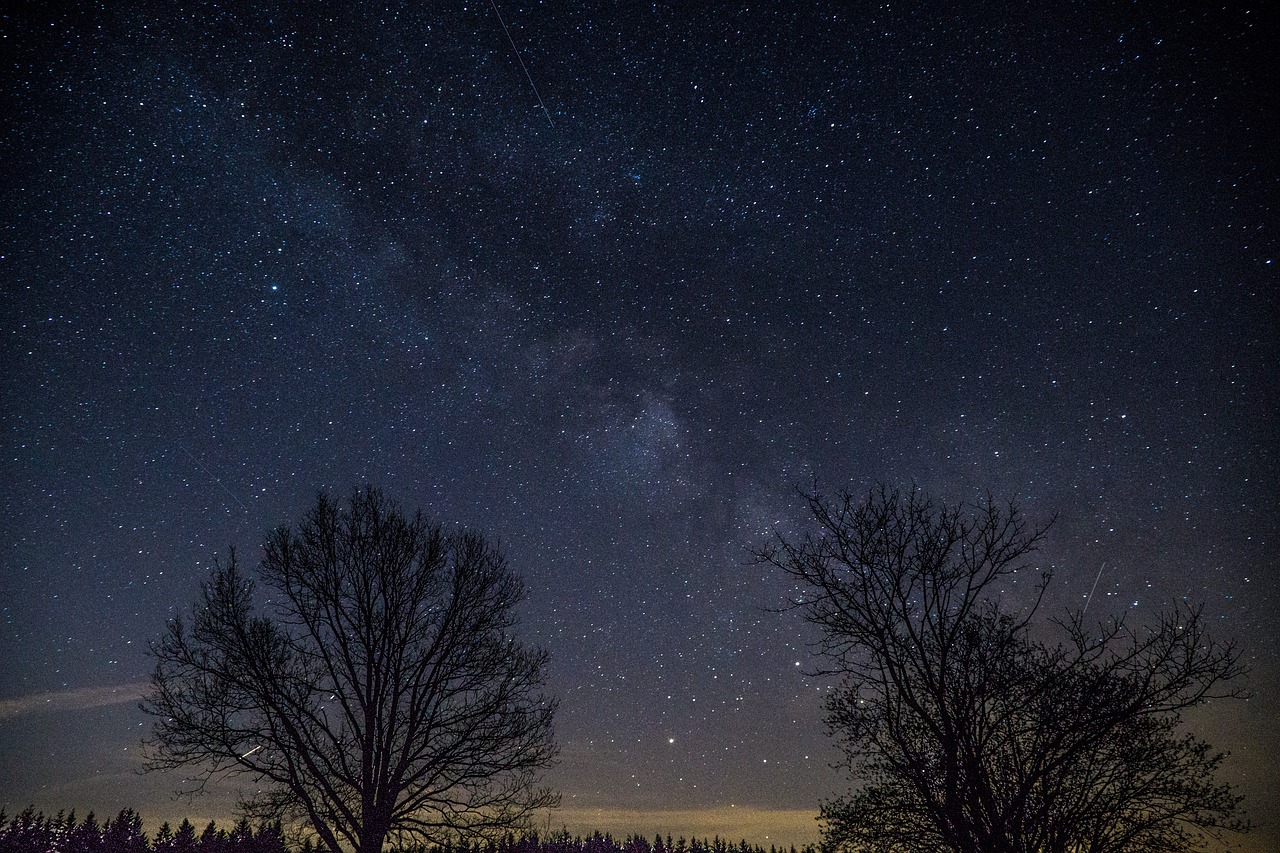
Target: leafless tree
x,y
968,729
380,694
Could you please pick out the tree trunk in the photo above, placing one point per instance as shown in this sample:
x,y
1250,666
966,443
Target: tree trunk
x,y
372,838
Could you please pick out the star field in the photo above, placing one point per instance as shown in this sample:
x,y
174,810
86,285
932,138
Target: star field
x,y
253,250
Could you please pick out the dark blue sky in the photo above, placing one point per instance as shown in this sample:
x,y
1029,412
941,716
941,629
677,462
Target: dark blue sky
x,y
251,251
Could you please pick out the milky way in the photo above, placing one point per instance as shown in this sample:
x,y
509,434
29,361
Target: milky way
x,y
253,252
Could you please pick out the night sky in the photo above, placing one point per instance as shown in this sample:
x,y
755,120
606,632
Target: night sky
x,y
614,312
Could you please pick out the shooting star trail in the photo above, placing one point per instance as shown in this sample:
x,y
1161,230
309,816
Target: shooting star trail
x,y
528,76
212,477
1085,609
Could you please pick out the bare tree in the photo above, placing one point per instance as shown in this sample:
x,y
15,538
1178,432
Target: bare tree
x,y
966,728
379,696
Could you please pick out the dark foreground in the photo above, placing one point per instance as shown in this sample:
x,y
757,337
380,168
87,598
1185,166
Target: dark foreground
x,y
32,830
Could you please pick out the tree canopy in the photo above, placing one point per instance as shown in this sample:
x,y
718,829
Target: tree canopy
x,y
372,688
966,725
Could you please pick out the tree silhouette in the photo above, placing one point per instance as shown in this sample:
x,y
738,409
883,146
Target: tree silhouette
x,y
31,832
969,730
184,840
85,837
380,694
124,834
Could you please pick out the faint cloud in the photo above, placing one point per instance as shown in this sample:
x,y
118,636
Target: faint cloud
x,y
82,699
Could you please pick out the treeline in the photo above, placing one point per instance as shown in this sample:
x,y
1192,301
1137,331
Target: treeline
x,y
32,832
597,843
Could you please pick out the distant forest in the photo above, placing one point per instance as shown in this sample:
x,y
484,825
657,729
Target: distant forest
x,y
32,832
